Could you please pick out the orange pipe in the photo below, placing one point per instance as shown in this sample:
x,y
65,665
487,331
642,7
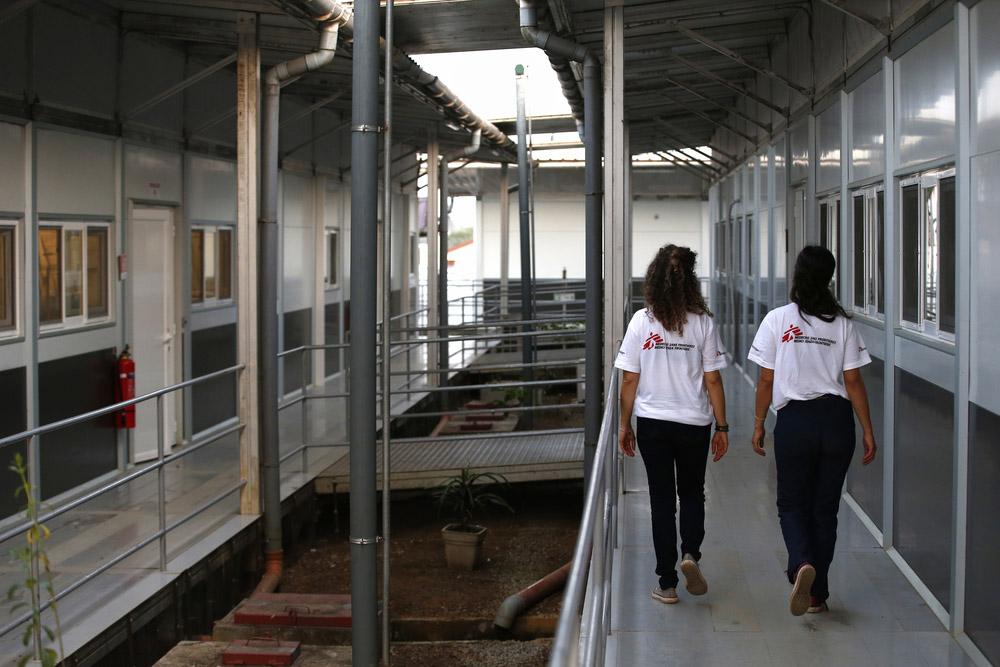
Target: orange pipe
x,y
272,573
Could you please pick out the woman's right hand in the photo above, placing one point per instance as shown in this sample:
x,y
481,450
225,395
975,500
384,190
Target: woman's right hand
x,y
626,441
758,439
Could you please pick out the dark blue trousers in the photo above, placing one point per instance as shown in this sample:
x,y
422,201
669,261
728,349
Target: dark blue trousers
x,y
813,445
667,447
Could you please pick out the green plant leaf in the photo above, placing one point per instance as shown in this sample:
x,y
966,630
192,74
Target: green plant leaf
x,y
23,661
26,635
13,592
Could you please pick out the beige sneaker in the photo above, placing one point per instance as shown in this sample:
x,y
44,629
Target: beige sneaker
x,y
694,579
665,595
801,598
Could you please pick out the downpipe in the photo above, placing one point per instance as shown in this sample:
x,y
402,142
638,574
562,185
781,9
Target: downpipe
x,y
268,295
527,598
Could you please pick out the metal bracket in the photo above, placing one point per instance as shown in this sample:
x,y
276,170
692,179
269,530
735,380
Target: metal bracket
x,y
366,128
365,540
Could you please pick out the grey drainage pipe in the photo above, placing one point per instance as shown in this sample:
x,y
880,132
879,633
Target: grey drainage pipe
x,y
555,45
268,295
517,603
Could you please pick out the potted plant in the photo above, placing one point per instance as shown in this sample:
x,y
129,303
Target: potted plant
x,y
462,496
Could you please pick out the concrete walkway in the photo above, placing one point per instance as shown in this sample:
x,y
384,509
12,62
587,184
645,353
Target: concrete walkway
x,y
876,616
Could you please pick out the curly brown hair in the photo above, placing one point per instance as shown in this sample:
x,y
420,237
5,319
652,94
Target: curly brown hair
x,y
671,288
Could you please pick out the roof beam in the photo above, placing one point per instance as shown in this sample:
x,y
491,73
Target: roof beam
x,y
15,8
688,143
701,96
735,57
704,116
316,106
179,87
670,160
883,25
728,84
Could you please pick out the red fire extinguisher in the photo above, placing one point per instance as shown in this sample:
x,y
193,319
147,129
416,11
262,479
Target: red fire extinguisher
x,y
125,389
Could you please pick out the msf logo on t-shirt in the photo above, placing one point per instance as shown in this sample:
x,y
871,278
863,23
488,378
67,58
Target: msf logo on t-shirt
x,y
791,334
653,342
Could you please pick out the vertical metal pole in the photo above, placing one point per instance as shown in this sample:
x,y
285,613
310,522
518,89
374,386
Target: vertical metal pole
x,y
444,308
524,212
889,253
615,186
386,339
305,415
594,372
431,299
36,598
504,240
161,484
364,278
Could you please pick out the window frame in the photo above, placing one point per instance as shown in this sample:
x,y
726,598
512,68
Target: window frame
x,y
830,237
215,301
332,282
873,251
14,329
82,320
928,183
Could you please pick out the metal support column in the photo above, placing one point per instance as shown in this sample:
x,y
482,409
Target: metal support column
x,y
247,162
364,278
443,306
431,230
504,241
594,192
524,215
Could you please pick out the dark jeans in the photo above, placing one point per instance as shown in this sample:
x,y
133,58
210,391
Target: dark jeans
x,y
665,445
813,446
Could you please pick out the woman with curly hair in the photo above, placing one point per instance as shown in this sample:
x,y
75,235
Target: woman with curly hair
x,y
671,357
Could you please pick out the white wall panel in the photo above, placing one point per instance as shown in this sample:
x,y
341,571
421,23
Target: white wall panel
x,y
985,359
75,173
925,99
75,61
11,167
211,192
985,19
828,148
297,225
657,223
152,175
799,136
868,129
780,174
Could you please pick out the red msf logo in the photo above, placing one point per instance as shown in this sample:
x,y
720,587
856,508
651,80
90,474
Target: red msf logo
x,y
791,334
652,341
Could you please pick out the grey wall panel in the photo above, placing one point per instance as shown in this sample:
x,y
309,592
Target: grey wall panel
x,y
68,387
211,189
76,173
925,99
828,148
865,481
982,588
207,100
762,183
13,410
149,68
13,35
299,240
153,175
868,129
985,338
778,91
873,337
80,73
209,318
332,357
298,332
930,363
780,175
859,37
922,480
801,154
828,43
298,132
328,151
54,347
800,67
11,167
213,401
985,17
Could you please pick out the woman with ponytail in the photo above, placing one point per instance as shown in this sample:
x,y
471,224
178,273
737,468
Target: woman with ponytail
x,y
671,357
809,356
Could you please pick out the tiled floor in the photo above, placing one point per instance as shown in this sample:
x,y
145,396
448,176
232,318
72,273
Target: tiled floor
x,y
876,617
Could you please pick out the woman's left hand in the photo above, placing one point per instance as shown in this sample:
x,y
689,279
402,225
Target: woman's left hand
x,y
720,445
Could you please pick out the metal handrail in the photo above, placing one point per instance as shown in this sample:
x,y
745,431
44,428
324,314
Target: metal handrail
x,y
592,554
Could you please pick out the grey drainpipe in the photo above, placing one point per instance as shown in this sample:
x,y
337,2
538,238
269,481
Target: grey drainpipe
x,y
268,293
524,231
468,151
555,45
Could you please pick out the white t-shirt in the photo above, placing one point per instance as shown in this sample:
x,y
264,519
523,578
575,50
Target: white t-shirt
x,y
808,356
671,367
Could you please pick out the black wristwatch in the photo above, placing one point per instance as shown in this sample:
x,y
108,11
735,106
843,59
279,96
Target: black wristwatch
x,y
721,428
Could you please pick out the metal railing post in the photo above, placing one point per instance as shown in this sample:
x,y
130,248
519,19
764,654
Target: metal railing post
x,y
161,482
34,479
305,414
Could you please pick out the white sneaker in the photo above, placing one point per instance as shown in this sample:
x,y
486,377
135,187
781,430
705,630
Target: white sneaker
x,y
800,600
694,579
665,595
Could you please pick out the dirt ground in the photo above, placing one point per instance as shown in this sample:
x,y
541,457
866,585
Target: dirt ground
x,y
519,549
479,654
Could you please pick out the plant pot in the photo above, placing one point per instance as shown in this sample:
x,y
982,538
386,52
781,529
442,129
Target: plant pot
x,y
463,548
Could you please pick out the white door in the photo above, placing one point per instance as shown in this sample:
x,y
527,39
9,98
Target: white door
x,y
153,325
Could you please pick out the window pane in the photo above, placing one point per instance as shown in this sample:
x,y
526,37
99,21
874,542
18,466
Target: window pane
x,y
209,264
946,248
97,271
225,264
824,227
7,278
910,253
931,219
197,266
749,246
332,267
880,288
834,222
74,273
860,260
49,274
